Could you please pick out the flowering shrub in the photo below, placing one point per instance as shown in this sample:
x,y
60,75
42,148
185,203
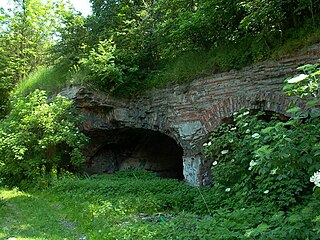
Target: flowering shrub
x,y
39,138
306,86
316,179
271,160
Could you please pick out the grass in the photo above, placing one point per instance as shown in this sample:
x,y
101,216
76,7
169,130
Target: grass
x,y
27,216
191,65
50,79
297,39
137,205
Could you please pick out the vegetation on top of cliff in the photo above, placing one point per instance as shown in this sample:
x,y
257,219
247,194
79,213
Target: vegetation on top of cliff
x,y
126,47
129,46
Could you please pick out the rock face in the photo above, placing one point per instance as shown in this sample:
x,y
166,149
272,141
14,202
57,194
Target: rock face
x,y
164,130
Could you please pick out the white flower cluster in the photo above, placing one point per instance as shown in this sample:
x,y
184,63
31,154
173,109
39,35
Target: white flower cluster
x,y
236,114
299,78
252,164
255,135
208,144
316,178
223,152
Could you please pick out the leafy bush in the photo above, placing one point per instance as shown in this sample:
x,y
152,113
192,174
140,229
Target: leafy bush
x,y
38,138
102,70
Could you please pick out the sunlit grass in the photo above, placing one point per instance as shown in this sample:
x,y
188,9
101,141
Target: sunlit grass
x,y
122,206
26,216
50,79
8,194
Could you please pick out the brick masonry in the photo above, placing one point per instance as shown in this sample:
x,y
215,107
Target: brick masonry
x,y
188,113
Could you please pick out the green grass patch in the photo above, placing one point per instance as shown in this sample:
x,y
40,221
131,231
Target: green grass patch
x,y
138,205
297,39
27,216
50,79
191,65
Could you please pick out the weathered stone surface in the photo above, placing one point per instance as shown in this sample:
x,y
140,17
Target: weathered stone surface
x,y
190,130
188,113
192,169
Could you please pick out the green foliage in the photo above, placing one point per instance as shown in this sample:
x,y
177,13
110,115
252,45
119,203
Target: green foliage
x,y
138,205
262,16
271,161
295,39
100,64
154,43
201,63
39,138
160,42
71,45
27,32
50,79
305,85
261,161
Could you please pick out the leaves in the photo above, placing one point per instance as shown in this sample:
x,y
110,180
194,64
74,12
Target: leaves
x,y
101,66
27,32
305,85
38,137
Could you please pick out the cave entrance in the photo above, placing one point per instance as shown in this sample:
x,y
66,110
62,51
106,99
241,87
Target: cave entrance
x,y
125,149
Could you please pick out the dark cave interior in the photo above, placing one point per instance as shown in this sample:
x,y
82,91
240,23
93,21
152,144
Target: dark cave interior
x,y
125,149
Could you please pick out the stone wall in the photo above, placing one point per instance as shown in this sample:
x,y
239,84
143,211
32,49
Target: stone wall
x,y
189,112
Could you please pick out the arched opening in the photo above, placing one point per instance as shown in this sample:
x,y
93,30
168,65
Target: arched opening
x,y
125,149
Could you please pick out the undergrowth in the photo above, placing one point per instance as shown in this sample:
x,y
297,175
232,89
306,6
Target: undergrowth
x,y
138,205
